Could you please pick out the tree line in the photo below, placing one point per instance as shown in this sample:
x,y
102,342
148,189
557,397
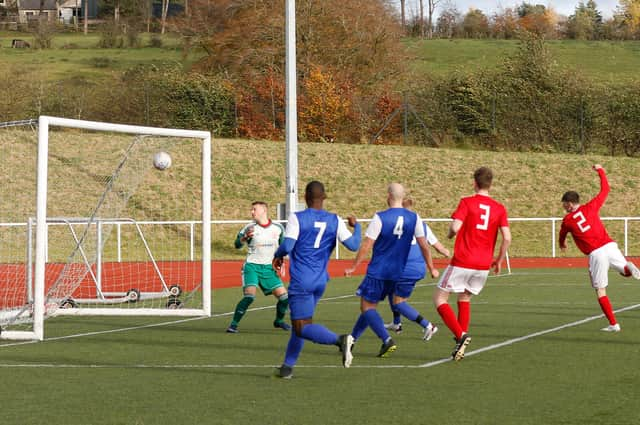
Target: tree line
x,y
586,23
352,85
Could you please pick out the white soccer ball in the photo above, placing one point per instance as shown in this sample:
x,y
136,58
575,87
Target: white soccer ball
x,y
162,160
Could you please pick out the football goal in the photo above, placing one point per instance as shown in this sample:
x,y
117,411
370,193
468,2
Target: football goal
x,y
102,219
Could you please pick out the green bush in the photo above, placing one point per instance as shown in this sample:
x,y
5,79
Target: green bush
x,y
155,40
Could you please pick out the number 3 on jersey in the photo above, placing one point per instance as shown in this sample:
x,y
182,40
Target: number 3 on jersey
x,y
484,217
581,220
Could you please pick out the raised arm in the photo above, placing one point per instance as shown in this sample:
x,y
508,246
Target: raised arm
x,y
604,186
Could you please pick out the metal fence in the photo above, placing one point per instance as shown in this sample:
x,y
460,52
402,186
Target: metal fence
x,y
545,232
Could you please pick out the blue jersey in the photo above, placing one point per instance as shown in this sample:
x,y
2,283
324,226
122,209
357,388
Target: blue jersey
x,y
315,233
416,268
393,230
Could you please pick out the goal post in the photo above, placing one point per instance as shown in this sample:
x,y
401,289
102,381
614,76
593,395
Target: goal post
x,y
112,235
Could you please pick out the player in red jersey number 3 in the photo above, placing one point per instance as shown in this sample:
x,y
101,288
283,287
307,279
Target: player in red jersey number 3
x,y
476,224
590,236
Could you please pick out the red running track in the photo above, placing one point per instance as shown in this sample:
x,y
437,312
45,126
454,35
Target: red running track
x,y
226,274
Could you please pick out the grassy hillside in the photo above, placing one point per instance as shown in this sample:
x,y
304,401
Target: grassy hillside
x,y
601,60
76,55
356,177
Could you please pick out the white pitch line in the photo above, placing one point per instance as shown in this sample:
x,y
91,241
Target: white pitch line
x,y
232,366
526,337
187,366
152,325
132,328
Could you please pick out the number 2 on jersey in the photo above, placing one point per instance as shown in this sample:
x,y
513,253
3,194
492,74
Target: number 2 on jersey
x,y
322,226
581,221
484,217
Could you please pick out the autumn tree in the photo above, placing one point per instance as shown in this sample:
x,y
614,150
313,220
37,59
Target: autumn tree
x,y
586,22
356,42
475,24
628,15
537,19
449,22
504,24
359,38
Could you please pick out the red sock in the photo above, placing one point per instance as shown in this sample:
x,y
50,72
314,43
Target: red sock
x,y
464,315
626,272
605,305
449,319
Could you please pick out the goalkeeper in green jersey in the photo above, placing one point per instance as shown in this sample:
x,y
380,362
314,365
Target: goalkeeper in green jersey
x,y
262,237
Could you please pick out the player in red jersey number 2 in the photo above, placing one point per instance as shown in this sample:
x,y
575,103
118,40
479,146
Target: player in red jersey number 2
x,y
590,236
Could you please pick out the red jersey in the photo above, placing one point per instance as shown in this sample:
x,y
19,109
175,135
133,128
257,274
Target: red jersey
x,y
584,224
481,218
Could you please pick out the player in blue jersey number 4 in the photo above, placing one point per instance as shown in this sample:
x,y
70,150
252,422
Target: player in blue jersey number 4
x,y
389,235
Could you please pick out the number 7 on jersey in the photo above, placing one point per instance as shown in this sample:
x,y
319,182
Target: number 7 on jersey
x,y
322,226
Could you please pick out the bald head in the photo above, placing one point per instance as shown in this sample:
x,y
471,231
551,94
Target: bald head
x,y
396,194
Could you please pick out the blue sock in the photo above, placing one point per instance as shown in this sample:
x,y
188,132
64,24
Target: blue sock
x,y
376,323
359,327
410,313
396,315
294,347
319,334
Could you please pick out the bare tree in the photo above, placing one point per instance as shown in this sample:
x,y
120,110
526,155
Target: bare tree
x,y
165,10
432,9
403,15
422,17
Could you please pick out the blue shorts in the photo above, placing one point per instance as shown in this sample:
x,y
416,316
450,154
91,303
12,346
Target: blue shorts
x,y
404,288
375,290
302,304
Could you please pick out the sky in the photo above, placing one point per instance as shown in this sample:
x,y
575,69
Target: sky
x,y
563,7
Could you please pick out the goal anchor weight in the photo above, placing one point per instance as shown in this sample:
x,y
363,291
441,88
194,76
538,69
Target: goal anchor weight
x,y
133,295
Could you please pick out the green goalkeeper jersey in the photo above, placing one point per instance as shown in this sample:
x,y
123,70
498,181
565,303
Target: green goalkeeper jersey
x,y
264,242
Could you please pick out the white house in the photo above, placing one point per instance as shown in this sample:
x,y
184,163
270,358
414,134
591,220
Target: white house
x,y
29,10
68,9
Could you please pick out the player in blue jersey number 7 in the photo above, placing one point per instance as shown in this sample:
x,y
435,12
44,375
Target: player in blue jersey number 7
x,y
389,234
310,237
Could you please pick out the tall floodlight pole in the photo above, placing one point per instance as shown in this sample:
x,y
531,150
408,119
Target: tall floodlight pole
x,y
291,113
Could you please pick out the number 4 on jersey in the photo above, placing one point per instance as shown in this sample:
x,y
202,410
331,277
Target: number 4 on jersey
x,y
397,229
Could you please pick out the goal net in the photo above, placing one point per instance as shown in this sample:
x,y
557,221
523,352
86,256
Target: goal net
x,y
92,224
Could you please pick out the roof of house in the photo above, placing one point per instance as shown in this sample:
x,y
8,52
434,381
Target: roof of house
x,y
70,3
35,4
